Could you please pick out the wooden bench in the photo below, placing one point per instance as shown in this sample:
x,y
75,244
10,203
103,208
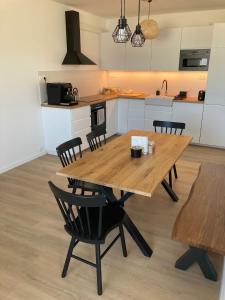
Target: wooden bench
x,y
201,221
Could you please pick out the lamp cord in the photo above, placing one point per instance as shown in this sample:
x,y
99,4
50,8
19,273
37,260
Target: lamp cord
x,y
121,2
124,8
149,9
139,11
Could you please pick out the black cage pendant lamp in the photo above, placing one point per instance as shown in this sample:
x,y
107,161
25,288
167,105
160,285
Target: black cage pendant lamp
x,y
122,33
138,38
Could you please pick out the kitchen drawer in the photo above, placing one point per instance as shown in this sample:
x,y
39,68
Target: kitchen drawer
x,y
149,125
82,134
136,109
80,113
136,104
138,113
135,123
158,108
164,114
190,114
81,125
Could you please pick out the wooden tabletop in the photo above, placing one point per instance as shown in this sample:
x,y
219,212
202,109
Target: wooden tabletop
x,y
112,165
201,221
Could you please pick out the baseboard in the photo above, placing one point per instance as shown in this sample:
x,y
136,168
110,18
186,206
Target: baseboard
x,y
21,162
222,289
51,152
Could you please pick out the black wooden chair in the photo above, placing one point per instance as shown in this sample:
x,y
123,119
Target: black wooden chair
x,y
89,219
96,138
68,153
170,128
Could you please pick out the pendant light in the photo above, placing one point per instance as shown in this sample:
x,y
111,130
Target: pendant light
x,y
138,38
122,33
149,27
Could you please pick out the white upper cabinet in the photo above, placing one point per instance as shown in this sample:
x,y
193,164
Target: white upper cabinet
x,y
218,35
138,59
166,50
112,54
216,87
197,37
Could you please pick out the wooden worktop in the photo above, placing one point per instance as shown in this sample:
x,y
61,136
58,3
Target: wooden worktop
x,y
85,101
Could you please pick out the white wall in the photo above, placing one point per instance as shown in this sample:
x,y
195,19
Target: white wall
x,y
149,82
32,38
88,82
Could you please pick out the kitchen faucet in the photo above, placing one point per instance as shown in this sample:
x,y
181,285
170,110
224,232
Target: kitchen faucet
x,y
165,81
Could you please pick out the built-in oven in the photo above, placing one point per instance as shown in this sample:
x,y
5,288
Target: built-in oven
x,y
98,115
194,60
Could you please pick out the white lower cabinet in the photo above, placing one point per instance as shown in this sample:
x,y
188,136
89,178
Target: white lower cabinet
x,y
191,115
156,112
122,115
61,125
136,113
111,117
213,125
204,123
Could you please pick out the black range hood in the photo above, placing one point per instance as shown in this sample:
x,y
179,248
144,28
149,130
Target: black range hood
x,y
74,55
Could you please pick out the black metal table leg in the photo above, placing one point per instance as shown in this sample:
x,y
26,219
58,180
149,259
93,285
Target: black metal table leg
x,y
131,228
169,190
137,237
201,257
109,194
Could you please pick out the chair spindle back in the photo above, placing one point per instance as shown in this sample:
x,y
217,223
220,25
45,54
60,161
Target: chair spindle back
x,y
169,127
68,153
76,210
96,138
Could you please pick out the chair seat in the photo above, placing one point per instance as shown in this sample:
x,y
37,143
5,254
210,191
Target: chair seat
x,y
74,183
112,216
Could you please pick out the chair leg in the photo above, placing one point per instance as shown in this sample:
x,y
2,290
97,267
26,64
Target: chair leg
x,y
170,179
68,257
123,243
98,267
175,171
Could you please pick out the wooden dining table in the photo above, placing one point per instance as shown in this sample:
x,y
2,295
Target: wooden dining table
x,y
112,167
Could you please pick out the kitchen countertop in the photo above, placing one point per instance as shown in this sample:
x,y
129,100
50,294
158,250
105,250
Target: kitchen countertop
x,y
85,101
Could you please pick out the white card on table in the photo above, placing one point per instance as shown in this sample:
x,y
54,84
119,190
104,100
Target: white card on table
x,y
140,141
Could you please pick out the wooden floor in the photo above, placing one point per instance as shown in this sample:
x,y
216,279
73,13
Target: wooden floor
x,y
33,243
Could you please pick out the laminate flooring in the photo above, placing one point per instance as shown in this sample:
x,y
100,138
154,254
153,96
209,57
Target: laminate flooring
x,y
33,243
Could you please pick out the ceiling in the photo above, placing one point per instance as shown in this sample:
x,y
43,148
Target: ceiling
x,y
111,8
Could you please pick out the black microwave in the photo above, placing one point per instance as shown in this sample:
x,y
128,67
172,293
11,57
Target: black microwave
x,y
194,60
